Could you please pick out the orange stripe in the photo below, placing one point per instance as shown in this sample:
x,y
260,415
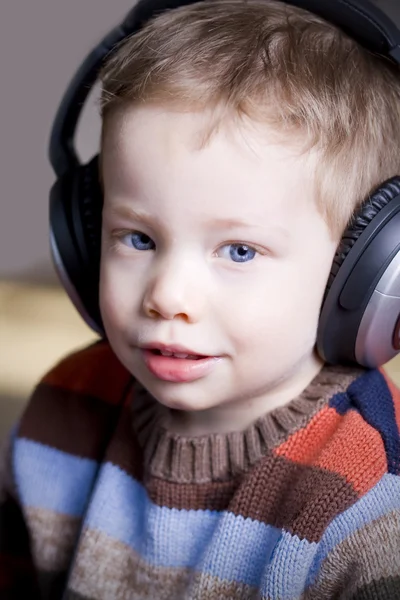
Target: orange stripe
x,y
345,444
306,444
394,390
356,452
93,371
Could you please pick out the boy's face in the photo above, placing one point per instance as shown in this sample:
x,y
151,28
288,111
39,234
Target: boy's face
x,y
220,250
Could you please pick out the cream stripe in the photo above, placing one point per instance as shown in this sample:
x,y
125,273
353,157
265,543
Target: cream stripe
x,y
53,537
125,576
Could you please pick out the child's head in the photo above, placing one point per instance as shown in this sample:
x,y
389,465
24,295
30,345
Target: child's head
x,y
228,111
278,65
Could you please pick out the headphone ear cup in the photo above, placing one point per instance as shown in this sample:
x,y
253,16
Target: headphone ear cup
x,y
75,238
360,221
337,332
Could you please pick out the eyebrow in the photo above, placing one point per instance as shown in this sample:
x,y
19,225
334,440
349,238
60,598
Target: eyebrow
x,y
129,213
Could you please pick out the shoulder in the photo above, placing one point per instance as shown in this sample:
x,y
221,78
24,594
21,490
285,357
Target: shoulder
x,y
366,433
376,398
354,437
60,443
364,448
359,553
93,370
73,405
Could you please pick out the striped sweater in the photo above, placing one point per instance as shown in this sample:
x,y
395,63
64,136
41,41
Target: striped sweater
x,y
99,501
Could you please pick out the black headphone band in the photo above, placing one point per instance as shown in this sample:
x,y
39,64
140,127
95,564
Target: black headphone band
x,y
361,19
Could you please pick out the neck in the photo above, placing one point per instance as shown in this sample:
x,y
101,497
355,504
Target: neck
x,y
240,413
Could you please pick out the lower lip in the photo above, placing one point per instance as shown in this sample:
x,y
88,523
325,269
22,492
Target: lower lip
x,y
178,370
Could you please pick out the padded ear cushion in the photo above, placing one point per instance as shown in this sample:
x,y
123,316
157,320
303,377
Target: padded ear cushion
x,y
87,202
86,211
371,207
75,224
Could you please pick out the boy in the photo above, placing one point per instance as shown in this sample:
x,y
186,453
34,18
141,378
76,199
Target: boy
x,y
205,450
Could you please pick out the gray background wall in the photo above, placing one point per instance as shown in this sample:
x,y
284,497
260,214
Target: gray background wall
x,y
41,44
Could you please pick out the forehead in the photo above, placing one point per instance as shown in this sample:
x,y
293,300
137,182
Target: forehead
x,y
158,157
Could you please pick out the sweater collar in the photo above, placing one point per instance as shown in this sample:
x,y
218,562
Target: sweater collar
x,y
221,457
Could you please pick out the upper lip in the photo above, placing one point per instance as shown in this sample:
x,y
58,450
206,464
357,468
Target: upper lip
x,y
175,348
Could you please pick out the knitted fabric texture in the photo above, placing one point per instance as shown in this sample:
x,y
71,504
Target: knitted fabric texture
x,y
99,500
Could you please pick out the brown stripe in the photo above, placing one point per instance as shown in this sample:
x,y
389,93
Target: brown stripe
x,y
385,589
123,574
123,449
291,503
205,496
68,421
363,560
301,499
53,537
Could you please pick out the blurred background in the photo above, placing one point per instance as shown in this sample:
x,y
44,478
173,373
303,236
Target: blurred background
x,y
41,45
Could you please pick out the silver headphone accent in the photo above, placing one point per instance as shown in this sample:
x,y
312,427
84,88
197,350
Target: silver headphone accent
x,y
376,343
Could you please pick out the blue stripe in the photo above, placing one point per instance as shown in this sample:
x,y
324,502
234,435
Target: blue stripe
x,y
380,500
51,479
286,575
340,402
217,543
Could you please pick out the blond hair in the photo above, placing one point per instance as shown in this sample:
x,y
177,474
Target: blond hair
x,y
277,64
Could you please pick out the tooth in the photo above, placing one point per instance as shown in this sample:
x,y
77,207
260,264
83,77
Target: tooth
x,y
180,355
166,353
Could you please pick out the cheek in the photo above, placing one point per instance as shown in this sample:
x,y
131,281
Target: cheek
x,y
112,297
281,307
254,313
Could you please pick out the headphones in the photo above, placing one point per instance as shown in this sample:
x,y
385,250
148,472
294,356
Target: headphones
x,y
360,315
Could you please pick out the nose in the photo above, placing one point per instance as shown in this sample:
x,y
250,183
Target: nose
x,y
172,292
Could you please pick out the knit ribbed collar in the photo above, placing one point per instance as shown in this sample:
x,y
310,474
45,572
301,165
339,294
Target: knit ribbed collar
x,y
220,457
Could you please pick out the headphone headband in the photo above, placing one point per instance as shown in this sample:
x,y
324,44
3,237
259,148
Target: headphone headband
x,y
362,20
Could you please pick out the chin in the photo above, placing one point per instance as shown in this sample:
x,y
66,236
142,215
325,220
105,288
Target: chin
x,y
175,402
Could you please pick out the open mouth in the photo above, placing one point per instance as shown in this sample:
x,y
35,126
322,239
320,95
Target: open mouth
x,y
178,366
176,354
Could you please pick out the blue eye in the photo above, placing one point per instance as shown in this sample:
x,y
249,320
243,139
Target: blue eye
x,y
140,241
240,252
